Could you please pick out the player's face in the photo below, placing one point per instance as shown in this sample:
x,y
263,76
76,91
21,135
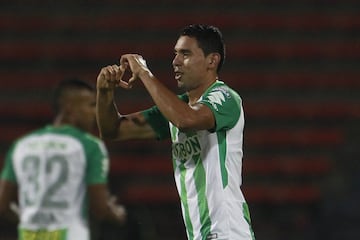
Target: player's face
x,y
190,65
84,109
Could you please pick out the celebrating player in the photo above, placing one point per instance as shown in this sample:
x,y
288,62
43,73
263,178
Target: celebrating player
x,y
205,124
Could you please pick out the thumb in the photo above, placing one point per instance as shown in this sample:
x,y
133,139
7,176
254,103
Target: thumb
x,y
132,80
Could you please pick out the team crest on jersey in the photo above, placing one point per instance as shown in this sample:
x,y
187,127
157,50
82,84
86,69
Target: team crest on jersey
x,y
217,97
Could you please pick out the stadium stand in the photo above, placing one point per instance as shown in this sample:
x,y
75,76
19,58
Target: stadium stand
x,y
295,64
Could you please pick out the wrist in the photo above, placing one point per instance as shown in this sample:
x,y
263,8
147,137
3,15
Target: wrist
x,y
145,74
105,90
105,94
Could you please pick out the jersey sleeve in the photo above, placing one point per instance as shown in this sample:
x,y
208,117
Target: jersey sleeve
x,y
158,122
8,172
97,163
225,105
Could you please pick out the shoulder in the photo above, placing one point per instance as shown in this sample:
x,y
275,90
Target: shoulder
x,y
89,141
220,94
28,136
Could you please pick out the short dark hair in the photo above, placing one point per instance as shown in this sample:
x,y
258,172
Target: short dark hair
x,y
64,87
209,38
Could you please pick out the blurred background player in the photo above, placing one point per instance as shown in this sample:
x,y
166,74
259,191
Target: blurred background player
x,y
59,172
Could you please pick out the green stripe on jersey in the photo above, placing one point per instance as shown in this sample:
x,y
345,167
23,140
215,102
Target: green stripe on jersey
x,y
246,213
200,179
221,137
184,200
174,132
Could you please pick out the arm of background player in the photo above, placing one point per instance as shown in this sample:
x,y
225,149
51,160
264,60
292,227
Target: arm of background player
x,y
103,207
8,192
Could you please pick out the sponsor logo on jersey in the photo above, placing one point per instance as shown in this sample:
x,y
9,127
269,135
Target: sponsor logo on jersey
x,y
185,150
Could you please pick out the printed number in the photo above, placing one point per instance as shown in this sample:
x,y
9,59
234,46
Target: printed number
x,y
54,165
30,166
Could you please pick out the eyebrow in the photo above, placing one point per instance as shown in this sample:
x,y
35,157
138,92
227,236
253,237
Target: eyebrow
x,y
183,51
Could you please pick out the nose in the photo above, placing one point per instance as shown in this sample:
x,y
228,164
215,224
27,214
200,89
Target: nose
x,y
176,60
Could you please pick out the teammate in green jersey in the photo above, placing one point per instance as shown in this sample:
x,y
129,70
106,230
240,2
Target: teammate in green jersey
x,y
60,171
205,124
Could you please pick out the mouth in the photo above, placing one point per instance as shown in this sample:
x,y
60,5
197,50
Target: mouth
x,y
178,75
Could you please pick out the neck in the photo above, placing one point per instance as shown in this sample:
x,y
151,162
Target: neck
x,y
196,93
60,120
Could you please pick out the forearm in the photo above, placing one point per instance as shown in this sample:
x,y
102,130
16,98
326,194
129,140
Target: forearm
x,y
107,115
8,208
175,110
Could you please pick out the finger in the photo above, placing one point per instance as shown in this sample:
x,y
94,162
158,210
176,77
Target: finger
x,y
124,59
104,72
123,66
110,76
124,84
132,79
101,75
107,73
116,76
113,69
119,73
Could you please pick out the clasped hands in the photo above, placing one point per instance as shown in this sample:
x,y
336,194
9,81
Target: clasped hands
x,y
111,76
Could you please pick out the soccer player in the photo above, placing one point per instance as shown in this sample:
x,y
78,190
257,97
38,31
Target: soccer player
x,y
205,124
60,171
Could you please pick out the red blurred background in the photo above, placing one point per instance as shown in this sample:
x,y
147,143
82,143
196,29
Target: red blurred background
x,y
296,65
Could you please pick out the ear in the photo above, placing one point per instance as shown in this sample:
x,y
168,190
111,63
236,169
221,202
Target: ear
x,y
213,60
68,111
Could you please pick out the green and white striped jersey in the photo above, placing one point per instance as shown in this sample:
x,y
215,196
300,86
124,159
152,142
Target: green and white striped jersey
x,y
52,167
207,168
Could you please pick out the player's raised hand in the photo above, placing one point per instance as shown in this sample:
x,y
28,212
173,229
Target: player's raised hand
x,y
136,64
110,77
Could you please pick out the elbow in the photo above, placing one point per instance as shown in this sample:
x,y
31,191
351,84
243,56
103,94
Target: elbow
x,y
184,129
184,125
